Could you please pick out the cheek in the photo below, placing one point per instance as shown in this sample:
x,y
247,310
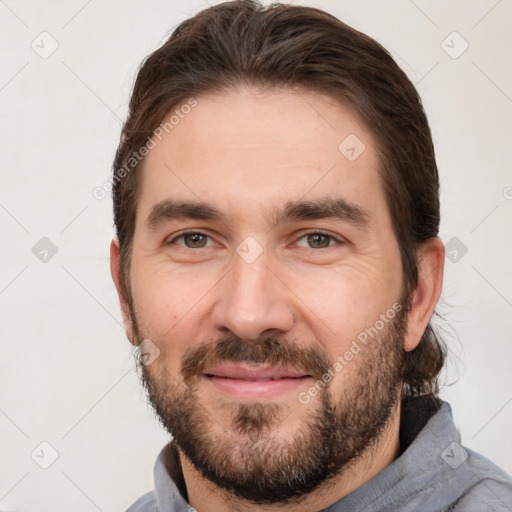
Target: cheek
x,y
168,305
157,303
343,301
163,294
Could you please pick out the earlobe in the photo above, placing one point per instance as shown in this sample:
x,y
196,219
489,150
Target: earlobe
x,y
115,271
428,291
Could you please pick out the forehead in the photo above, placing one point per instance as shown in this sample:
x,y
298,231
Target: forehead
x,y
246,147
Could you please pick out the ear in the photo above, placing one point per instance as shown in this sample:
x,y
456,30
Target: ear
x,y
428,291
115,271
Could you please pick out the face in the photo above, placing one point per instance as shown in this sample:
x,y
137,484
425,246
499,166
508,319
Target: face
x,y
266,271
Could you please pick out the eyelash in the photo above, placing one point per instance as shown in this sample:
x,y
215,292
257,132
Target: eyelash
x,y
313,232
185,233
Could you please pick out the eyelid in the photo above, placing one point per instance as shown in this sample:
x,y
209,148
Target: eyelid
x,y
181,234
339,239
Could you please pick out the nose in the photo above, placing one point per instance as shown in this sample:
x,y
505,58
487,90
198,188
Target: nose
x,y
252,301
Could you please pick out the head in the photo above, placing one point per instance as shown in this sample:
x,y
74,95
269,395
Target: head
x,y
276,206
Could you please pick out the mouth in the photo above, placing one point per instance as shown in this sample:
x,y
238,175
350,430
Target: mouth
x,y
257,381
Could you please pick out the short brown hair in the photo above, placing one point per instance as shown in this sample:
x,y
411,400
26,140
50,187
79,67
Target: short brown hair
x,y
243,43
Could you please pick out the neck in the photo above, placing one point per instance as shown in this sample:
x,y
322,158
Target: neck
x,y
207,497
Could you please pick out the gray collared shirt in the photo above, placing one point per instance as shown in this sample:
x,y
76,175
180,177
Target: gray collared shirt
x,y
433,474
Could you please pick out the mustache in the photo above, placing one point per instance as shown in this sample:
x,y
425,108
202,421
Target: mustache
x,y
272,351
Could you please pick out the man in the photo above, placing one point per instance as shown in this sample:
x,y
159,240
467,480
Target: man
x,y
278,265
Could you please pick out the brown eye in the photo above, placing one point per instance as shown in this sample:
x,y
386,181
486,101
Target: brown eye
x,y
318,240
195,240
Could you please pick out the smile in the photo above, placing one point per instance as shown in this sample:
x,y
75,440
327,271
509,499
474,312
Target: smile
x,y
254,381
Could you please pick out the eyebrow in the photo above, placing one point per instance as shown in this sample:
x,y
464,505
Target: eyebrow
x,y
322,208
170,209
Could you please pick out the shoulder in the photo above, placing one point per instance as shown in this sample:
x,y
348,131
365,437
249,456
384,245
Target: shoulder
x,y
490,488
146,503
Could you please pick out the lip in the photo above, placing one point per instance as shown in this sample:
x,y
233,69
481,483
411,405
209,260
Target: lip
x,y
256,381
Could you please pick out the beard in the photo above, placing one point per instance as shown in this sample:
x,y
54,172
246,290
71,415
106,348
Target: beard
x,y
249,457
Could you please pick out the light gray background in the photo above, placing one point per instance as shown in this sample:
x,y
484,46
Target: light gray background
x,y
67,371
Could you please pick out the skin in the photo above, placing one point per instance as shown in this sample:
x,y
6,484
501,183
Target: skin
x,y
247,152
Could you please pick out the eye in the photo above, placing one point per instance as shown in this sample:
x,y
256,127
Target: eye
x,y
192,240
317,240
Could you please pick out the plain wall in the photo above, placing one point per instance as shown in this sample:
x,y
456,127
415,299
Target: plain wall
x,y
67,371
